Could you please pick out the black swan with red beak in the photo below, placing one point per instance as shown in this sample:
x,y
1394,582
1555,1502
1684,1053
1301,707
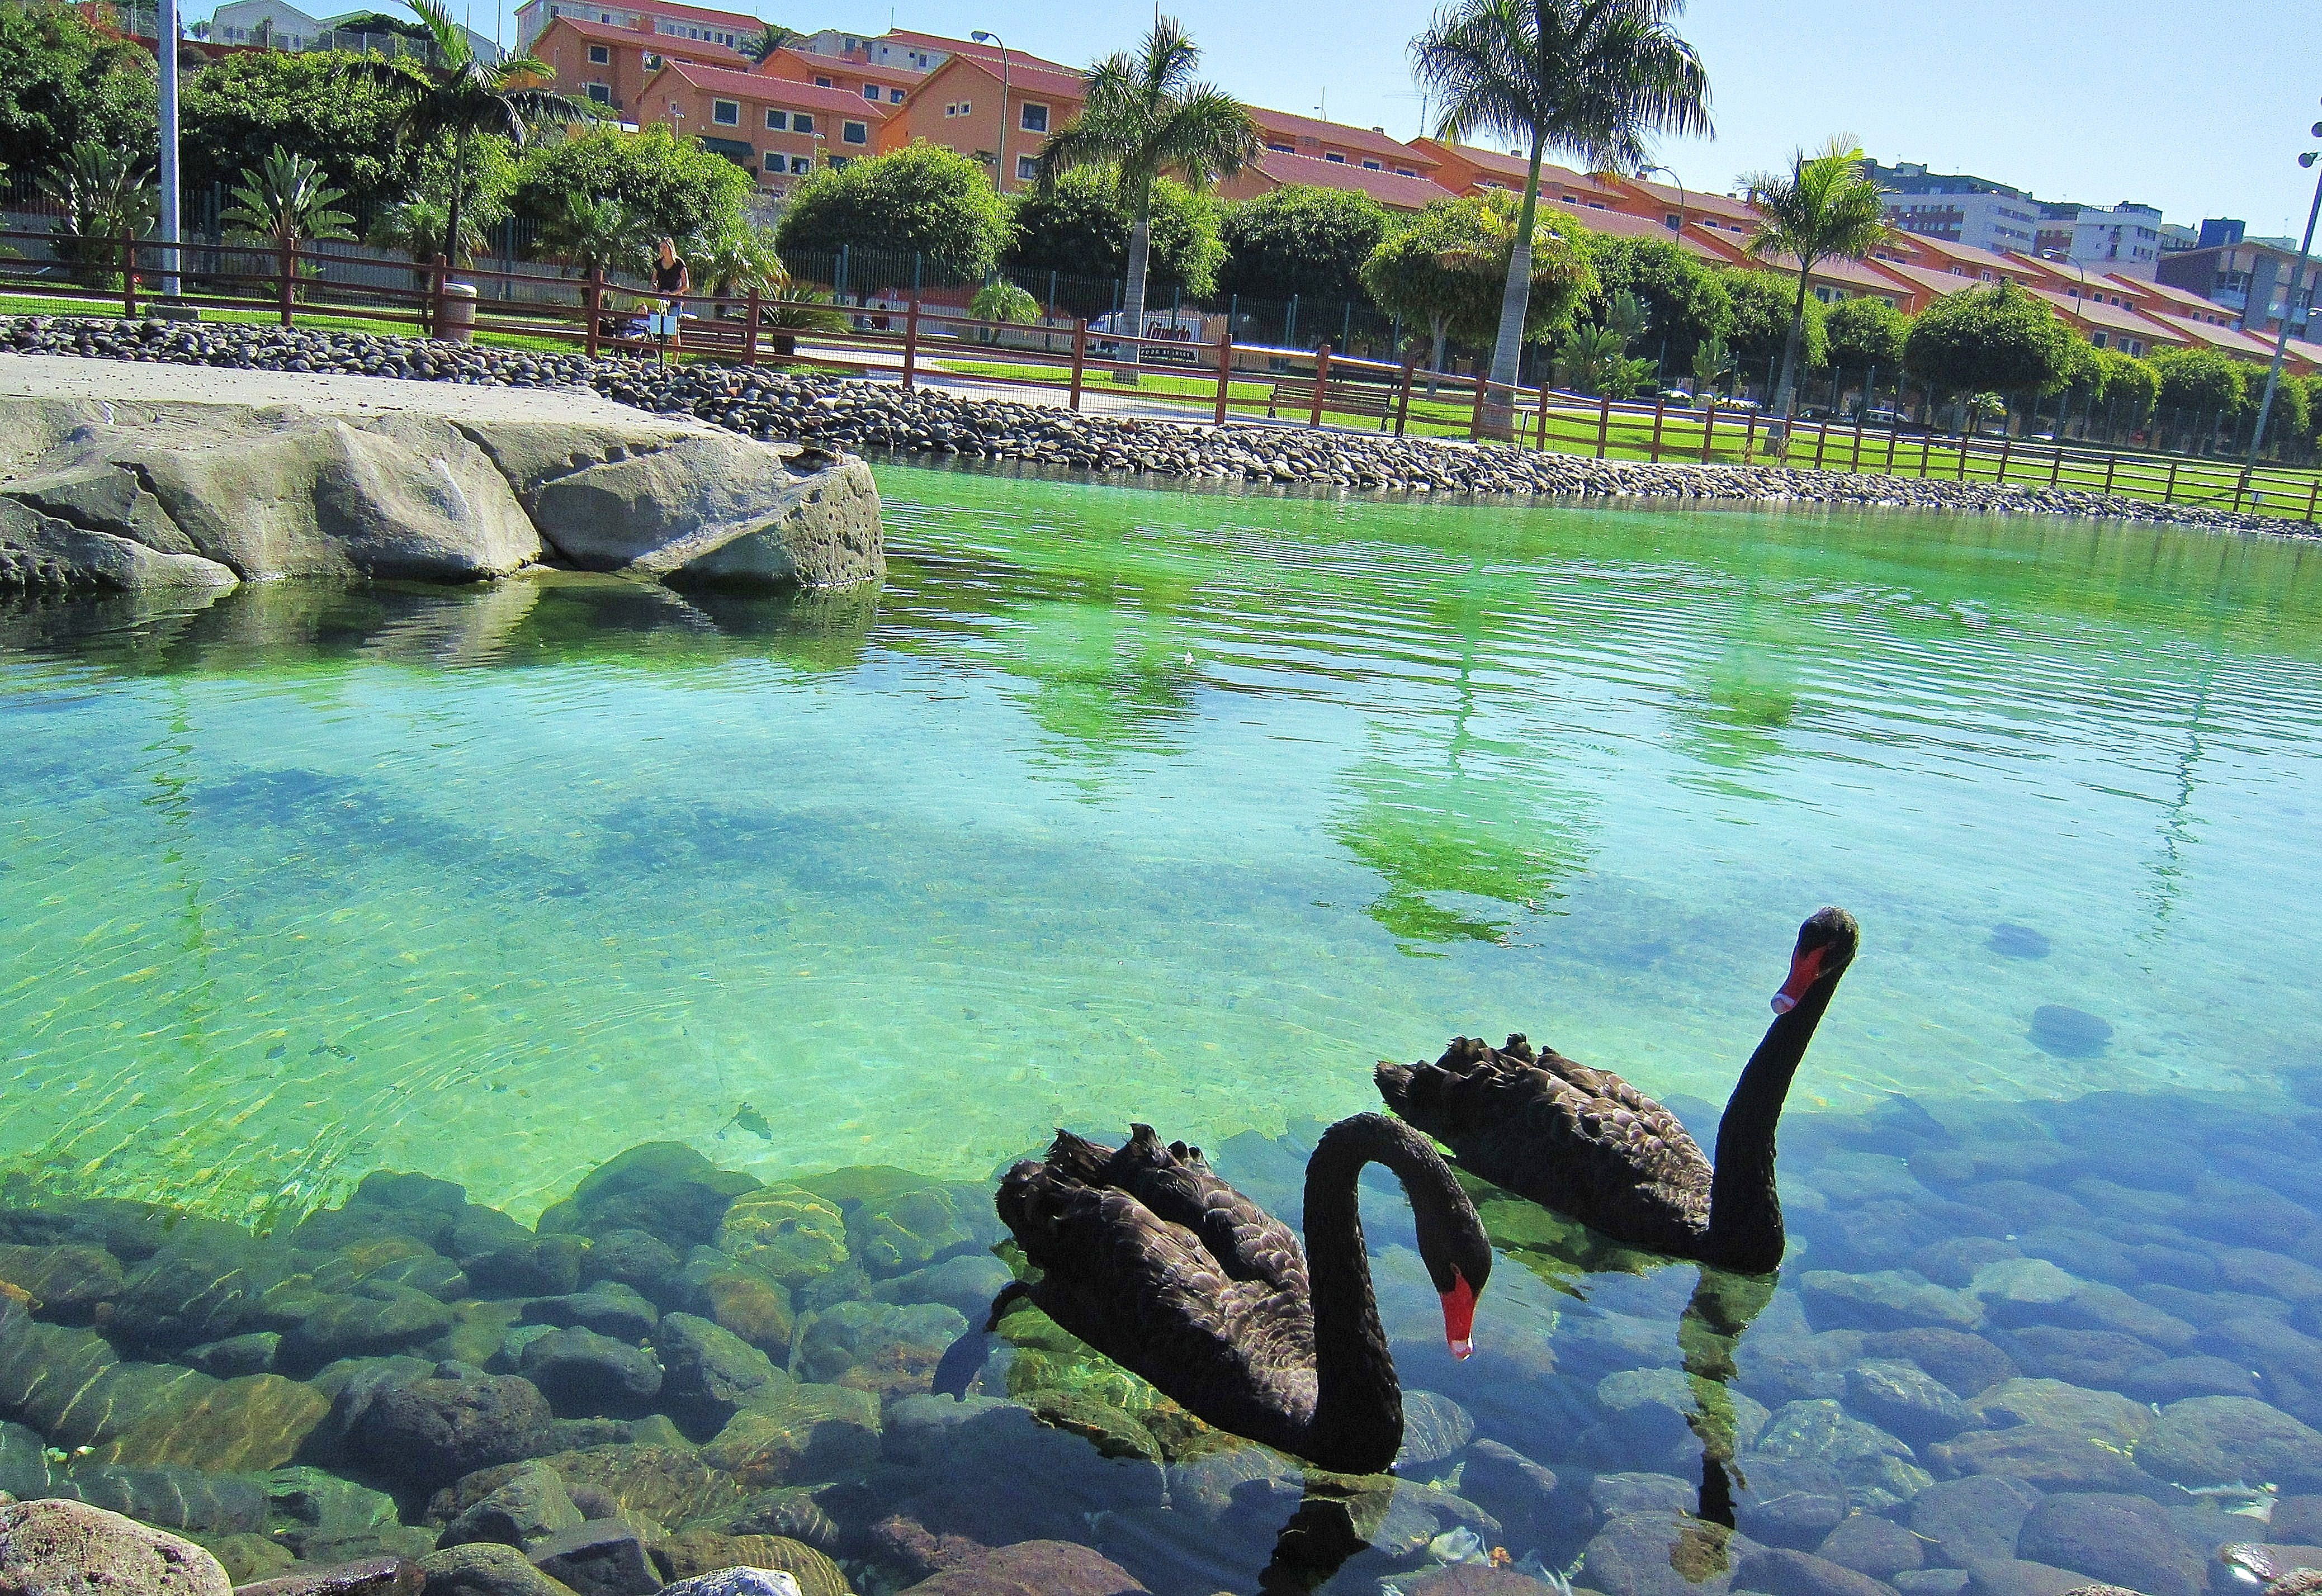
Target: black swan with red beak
x,y
1169,1272
1588,1145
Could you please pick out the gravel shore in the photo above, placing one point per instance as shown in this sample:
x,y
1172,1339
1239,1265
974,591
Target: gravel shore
x,y
883,419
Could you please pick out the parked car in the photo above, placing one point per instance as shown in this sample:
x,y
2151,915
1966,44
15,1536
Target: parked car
x,y
1880,416
1676,396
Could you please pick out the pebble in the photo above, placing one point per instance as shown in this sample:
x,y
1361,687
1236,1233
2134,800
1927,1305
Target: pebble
x,y
884,417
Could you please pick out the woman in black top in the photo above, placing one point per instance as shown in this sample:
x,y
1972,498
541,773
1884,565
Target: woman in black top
x,y
673,281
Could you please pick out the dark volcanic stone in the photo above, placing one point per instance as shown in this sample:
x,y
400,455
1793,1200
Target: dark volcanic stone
x,y
2068,1033
708,1371
2017,942
2120,1540
524,1510
1972,1520
1787,1572
1968,1363
600,1557
1049,1568
539,1265
1880,1547
1905,1400
432,1431
2099,1359
583,1373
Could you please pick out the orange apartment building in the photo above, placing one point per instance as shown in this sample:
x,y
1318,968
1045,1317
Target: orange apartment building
x,y
1394,190
958,105
610,66
773,128
668,20
882,86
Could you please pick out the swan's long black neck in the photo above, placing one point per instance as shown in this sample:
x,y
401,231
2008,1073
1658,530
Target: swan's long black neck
x,y
1358,1424
1745,1212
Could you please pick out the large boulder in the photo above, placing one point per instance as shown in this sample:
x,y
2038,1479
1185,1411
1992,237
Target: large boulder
x,y
430,1431
140,475
50,1547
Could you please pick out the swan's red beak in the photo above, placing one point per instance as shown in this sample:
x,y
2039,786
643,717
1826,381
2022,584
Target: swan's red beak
x,y
1460,1315
1804,969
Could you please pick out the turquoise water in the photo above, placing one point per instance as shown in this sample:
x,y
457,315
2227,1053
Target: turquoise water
x,y
1116,805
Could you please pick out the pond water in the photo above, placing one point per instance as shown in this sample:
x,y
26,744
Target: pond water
x,y
1113,805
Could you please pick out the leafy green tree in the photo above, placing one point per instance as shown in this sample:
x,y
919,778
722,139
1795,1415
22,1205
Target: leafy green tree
x,y
303,102
1863,335
1685,300
1446,270
461,100
1760,329
1594,359
1079,227
2200,381
2128,386
597,235
1713,366
418,226
2290,421
923,199
1146,115
1591,77
1822,209
106,195
672,186
769,38
63,82
1997,338
1001,300
1304,240
283,201
738,256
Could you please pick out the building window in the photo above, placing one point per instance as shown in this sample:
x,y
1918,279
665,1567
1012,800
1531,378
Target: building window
x,y
966,107
777,122
726,113
599,56
601,93
1282,148
1027,168
855,133
652,61
1034,119
668,28
894,96
1405,171
800,165
839,163
1332,155
1373,165
871,93
1674,222
800,123
822,82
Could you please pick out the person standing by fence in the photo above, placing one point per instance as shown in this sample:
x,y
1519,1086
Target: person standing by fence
x,y
673,281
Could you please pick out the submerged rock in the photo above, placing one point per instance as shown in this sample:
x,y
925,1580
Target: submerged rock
x,y
430,1431
55,1546
2218,1440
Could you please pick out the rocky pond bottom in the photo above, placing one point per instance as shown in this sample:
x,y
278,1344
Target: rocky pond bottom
x,y
2013,1352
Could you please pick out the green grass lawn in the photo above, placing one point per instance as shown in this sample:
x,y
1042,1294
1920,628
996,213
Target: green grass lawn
x,y
264,313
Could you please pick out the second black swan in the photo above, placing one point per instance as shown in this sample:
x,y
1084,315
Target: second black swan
x,y
1588,1145
1149,1257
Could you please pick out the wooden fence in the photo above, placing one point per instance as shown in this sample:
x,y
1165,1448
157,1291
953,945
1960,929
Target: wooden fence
x,y
1221,381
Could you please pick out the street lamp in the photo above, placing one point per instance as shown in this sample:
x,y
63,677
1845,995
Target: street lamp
x,y
2289,309
982,36
1673,178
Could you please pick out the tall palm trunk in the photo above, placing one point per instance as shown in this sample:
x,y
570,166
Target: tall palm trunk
x,y
1515,303
1440,327
1141,250
1778,434
459,189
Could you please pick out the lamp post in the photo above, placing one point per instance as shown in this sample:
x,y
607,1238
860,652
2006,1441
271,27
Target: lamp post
x,y
983,36
1673,178
165,50
2289,309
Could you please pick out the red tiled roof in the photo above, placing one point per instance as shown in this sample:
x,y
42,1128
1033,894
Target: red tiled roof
x,y
661,44
1282,125
970,48
1514,169
1391,189
2231,340
1693,201
1934,279
2095,313
1621,224
1861,274
2169,292
738,20
836,65
1026,75
1969,256
775,91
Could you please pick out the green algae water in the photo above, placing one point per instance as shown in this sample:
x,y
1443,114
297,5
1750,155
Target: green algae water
x,y
1116,805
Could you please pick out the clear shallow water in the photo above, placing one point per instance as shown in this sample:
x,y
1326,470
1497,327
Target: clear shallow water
x,y
1120,805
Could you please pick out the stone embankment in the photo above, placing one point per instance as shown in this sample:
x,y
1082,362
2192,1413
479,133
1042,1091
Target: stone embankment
x,y
126,477
857,415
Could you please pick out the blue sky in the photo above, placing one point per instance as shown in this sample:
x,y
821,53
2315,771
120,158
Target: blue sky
x,y
2197,108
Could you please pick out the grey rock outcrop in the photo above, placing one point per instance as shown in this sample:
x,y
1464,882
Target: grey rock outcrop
x,y
130,477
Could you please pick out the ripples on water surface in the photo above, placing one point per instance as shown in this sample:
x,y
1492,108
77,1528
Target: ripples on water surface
x,y
1115,804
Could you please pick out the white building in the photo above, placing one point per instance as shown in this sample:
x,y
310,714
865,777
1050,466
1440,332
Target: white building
x,y
265,22
732,29
1998,221
2126,239
899,48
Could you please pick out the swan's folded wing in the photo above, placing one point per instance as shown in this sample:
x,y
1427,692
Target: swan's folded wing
x,y
1245,1241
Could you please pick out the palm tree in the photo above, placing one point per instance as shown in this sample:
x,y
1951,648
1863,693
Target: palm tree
x,y
1590,77
1712,365
1143,116
418,225
597,235
106,194
1822,209
284,202
458,97
769,38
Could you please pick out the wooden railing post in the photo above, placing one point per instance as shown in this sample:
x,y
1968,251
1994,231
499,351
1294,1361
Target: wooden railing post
x,y
2313,498
1410,374
2112,464
1709,430
1604,424
2057,475
911,342
128,275
1661,413
1080,356
750,328
592,303
2169,492
439,273
2007,447
286,263
1476,416
1225,370
1321,380
1540,434
1855,464
1894,437
1822,442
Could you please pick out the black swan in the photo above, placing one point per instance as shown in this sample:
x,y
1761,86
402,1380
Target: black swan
x,y
1587,1144
1166,1269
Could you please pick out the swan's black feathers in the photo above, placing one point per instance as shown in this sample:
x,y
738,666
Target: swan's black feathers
x,y
1202,1309
1583,1142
